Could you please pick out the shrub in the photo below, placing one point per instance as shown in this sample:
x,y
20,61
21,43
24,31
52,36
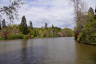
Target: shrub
x,y
1,38
28,36
16,36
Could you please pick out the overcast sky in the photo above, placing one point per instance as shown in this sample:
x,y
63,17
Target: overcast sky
x,y
57,12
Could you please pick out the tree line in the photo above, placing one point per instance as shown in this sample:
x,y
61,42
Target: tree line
x,y
24,31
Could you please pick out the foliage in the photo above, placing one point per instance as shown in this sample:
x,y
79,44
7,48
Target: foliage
x,y
87,34
27,37
46,25
23,26
16,36
31,25
3,24
10,11
67,32
0,26
1,38
14,32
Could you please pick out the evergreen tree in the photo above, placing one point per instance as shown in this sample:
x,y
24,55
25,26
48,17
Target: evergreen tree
x,y
46,25
31,25
95,13
52,25
23,26
90,11
3,24
0,26
53,30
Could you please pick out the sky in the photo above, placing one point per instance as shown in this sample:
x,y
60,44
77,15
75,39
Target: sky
x,y
60,13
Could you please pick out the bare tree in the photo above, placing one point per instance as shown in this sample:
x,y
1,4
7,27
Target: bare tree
x,y
10,11
79,7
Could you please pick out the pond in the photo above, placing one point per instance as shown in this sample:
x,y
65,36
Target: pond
x,y
62,50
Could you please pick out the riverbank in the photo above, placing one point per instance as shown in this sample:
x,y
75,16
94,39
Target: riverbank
x,y
13,32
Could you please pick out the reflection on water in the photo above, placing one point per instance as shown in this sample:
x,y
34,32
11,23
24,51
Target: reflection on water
x,y
24,52
46,51
86,54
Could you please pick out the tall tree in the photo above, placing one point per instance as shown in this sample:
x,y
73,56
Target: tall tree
x,y
53,30
31,25
0,26
10,11
79,6
23,26
46,25
91,11
3,23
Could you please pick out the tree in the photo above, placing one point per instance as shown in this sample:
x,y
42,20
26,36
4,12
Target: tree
x,y
23,26
80,7
5,30
88,33
0,26
46,25
3,23
95,12
67,32
91,11
53,30
10,11
31,25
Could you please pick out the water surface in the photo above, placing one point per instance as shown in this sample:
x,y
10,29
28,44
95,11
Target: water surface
x,y
46,51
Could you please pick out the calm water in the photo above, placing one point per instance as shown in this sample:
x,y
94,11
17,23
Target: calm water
x,y
46,51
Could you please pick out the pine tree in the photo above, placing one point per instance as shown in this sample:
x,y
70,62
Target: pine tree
x,y
53,30
31,25
95,13
23,26
3,24
46,25
0,26
90,11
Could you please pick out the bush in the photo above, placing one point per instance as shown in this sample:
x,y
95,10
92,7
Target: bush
x,y
67,32
1,38
16,36
27,37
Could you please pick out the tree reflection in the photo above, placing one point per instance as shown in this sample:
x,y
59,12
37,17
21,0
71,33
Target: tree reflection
x,y
24,52
85,54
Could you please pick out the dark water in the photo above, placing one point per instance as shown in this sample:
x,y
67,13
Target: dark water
x,y
46,51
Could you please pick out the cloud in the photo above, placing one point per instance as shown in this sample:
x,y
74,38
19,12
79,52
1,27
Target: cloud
x,y
91,3
56,12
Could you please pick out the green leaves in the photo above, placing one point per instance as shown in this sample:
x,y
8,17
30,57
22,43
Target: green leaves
x,y
23,26
87,34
